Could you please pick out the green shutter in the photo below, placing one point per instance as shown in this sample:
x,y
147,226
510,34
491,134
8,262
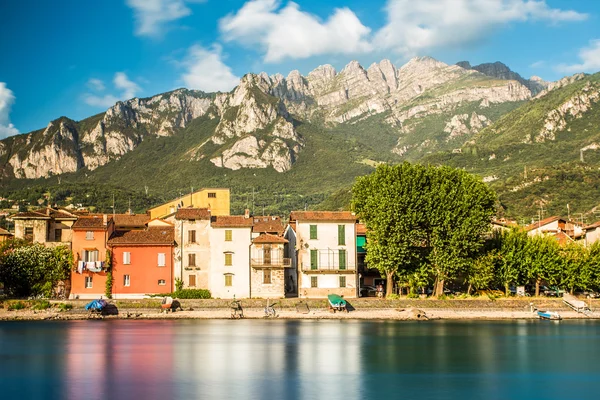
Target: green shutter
x,y
313,231
342,281
341,235
314,255
342,255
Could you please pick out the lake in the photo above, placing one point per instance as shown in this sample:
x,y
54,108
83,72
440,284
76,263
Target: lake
x,y
308,359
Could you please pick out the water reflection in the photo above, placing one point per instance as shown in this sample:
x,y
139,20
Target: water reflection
x,y
275,359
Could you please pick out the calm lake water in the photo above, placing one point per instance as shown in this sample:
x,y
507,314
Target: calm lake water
x,y
277,359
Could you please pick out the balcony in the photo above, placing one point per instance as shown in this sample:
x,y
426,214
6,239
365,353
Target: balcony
x,y
270,263
328,269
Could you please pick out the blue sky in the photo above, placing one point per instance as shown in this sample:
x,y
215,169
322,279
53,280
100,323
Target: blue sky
x,y
77,57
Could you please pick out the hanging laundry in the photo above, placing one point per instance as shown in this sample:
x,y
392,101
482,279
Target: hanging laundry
x,y
80,266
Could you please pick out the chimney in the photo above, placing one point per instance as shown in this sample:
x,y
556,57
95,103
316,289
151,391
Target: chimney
x,y
104,219
246,213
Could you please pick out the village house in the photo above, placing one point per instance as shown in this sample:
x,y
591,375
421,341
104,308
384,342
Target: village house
x,y
142,260
50,227
193,252
592,233
216,200
230,238
89,245
562,229
268,266
5,235
325,256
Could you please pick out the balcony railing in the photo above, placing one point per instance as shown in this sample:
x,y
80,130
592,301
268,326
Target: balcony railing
x,y
328,268
272,263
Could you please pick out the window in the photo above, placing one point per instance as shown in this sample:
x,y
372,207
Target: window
x,y
342,259
228,259
212,195
314,259
192,281
58,235
313,282
28,231
88,282
90,255
191,260
228,280
342,281
89,235
126,258
192,236
162,282
341,235
228,235
267,276
313,231
161,259
126,280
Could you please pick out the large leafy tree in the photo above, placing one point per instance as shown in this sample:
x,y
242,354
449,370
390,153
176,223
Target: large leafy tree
x,y
543,260
417,214
512,263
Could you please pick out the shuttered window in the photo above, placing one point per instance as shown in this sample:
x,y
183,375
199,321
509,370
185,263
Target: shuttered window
x,y
126,257
342,281
228,280
341,235
192,281
313,231
266,276
314,259
88,282
313,282
342,259
192,236
89,235
126,280
228,235
161,259
228,259
191,260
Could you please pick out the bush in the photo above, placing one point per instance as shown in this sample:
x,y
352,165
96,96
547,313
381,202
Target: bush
x,y
40,305
392,296
412,296
18,305
65,306
191,294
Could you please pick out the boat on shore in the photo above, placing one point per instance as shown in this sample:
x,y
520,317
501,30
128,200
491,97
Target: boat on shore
x,y
336,303
550,315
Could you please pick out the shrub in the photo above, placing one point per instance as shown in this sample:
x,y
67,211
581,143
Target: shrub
x,y
392,296
65,306
178,285
191,294
40,305
412,296
18,305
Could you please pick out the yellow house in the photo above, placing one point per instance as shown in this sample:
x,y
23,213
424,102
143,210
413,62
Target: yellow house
x,y
216,200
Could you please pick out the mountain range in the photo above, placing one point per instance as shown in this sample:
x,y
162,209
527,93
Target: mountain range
x,y
297,139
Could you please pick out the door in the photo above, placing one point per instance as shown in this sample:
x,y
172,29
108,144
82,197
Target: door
x,y
267,254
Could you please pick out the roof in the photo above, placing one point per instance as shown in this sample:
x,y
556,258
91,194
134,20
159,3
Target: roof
x,y
45,213
292,225
231,221
267,224
268,238
91,222
30,215
62,214
322,216
361,229
131,220
151,236
593,226
4,232
191,213
543,222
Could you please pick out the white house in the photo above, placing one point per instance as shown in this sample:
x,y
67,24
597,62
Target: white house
x,y
325,256
230,240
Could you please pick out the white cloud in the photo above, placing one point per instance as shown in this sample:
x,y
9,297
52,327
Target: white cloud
x,y
205,70
96,84
537,64
414,26
6,101
590,59
291,33
152,16
121,82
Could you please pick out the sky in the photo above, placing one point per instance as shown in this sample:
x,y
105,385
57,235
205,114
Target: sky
x,y
76,58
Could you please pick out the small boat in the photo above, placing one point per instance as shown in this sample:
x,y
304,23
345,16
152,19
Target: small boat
x,y
336,303
551,315
96,305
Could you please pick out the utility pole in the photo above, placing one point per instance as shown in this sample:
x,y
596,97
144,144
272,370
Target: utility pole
x,y
581,155
568,212
525,172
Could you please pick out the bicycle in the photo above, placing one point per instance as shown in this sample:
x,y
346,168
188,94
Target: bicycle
x,y
270,311
237,311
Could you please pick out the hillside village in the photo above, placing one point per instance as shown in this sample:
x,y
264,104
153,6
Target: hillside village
x,y
194,242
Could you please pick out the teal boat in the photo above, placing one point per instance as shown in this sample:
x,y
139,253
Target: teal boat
x,y
336,303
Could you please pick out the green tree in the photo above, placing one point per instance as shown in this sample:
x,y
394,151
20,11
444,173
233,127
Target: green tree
x,y
574,263
482,269
543,261
512,261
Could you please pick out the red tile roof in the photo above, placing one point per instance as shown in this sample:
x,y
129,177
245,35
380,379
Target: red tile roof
x,y
268,238
131,220
543,222
231,221
322,216
267,224
190,213
91,222
150,236
4,232
361,229
30,215
593,226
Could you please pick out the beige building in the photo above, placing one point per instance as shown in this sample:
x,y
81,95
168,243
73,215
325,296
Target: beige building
x,y
592,233
48,226
230,238
216,200
268,266
325,256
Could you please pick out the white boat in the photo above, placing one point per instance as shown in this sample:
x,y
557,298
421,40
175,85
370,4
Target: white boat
x,y
551,315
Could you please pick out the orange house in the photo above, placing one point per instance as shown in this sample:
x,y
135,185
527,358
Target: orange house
x,y
143,260
90,235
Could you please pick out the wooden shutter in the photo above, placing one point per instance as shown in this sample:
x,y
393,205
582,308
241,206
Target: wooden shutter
x,y
228,235
313,282
342,257
341,235
342,281
314,259
161,259
228,280
228,259
191,260
126,257
192,236
313,231
192,281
